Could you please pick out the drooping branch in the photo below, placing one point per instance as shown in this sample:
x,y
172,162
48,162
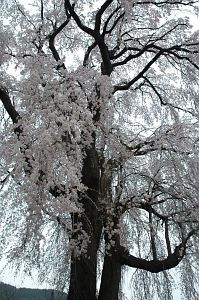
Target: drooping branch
x,y
55,190
155,90
18,128
133,202
182,57
148,146
20,8
163,102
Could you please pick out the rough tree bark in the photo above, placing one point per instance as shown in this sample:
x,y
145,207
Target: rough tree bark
x,y
84,268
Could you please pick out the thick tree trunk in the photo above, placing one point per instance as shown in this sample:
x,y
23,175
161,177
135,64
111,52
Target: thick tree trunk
x,y
111,273
83,279
111,277
84,268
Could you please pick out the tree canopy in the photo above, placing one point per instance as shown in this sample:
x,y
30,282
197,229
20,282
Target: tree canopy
x,y
99,144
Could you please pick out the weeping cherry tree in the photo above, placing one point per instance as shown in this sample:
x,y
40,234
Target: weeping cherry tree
x,y
99,144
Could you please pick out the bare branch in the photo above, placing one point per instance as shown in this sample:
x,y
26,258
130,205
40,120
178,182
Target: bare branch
x,y
170,2
106,66
52,37
152,236
42,10
107,31
109,19
167,237
88,52
140,75
72,12
154,266
100,13
9,107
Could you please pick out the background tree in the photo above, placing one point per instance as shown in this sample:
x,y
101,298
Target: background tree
x,y
99,143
